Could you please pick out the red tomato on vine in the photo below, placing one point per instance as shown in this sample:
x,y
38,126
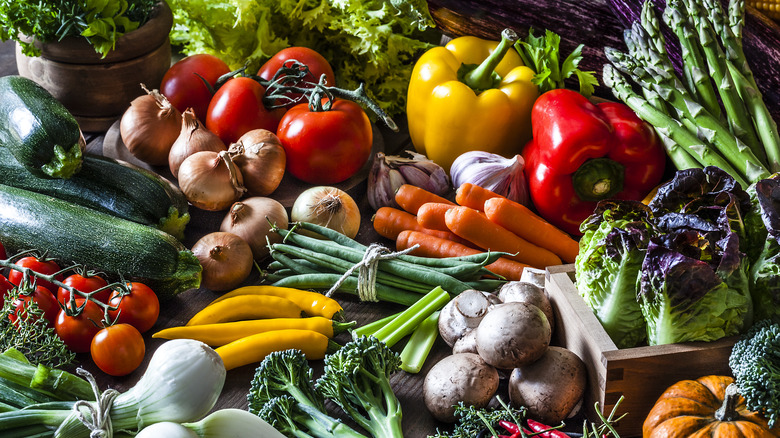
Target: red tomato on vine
x,y
140,308
77,331
316,63
84,284
183,84
118,349
326,147
237,108
43,298
41,266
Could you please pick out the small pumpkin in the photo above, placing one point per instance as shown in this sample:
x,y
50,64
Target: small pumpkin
x,y
709,406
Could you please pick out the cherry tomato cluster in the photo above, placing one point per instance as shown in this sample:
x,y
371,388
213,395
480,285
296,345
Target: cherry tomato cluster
x,y
104,321
322,147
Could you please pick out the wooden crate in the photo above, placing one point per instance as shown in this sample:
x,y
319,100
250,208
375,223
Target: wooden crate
x,y
640,374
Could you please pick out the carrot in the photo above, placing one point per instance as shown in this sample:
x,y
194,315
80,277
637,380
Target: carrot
x,y
410,198
520,220
432,246
431,215
475,227
473,196
388,222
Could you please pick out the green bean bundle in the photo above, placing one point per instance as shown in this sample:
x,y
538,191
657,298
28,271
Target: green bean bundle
x,y
306,262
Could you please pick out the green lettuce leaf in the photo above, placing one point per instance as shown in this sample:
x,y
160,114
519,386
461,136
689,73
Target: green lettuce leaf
x,y
607,267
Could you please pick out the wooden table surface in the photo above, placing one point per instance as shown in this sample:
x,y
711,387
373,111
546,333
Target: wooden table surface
x,y
408,387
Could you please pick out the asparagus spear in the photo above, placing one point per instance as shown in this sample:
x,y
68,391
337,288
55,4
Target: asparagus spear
x,y
739,122
745,83
709,128
694,64
667,126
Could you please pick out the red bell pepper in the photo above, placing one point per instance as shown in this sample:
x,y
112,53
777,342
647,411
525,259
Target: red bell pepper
x,y
582,153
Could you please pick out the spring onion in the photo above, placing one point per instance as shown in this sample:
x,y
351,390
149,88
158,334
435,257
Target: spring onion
x,y
182,383
219,424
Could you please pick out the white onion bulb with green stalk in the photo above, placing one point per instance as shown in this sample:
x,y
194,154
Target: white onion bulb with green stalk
x,y
224,423
181,384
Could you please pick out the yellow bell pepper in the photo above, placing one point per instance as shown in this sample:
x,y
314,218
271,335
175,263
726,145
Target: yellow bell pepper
x,y
472,94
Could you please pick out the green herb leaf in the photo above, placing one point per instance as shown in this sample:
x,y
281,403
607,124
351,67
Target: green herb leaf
x,y
31,334
542,55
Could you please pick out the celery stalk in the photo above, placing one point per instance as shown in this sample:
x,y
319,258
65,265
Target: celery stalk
x,y
409,319
371,328
420,343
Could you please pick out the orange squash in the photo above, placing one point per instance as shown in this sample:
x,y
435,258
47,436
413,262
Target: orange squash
x,y
709,406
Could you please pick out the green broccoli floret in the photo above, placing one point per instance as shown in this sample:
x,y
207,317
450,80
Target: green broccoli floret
x,y
282,393
755,362
357,378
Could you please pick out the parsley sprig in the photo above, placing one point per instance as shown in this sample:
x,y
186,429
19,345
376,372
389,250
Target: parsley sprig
x,y
542,55
101,22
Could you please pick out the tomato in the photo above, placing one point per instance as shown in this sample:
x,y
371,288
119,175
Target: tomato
x,y
77,331
43,298
183,86
317,64
46,267
118,349
325,147
140,308
237,107
84,284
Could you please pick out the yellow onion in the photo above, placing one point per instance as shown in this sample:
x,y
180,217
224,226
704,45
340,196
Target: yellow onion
x,y
210,180
260,157
252,220
193,137
149,127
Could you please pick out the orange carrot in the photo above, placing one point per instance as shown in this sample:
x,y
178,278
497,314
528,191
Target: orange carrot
x,y
473,196
475,227
431,215
520,220
432,246
388,222
410,198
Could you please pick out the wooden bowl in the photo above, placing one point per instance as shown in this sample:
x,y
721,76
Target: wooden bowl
x,y
98,90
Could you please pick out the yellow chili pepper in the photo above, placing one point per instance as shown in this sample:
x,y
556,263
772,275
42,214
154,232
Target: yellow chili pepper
x,y
246,307
220,334
312,303
255,348
472,94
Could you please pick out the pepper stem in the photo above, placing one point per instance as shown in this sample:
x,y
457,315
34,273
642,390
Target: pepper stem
x,y
598,179
484,76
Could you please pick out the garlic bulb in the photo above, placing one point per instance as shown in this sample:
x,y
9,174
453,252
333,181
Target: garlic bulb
x,y
389,172
493,172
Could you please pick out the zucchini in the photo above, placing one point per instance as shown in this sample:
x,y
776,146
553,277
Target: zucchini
x,y
38,130
115,187
72,233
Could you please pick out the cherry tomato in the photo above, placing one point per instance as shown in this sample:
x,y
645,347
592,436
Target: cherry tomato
x,y
326,147
237,107
77,331
43,298
5,286
84,284
140,308
183,86
46,267
317,64
118,349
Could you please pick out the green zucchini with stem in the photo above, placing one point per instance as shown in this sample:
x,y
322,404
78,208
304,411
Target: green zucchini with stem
x,y
38,130
115,187
72,233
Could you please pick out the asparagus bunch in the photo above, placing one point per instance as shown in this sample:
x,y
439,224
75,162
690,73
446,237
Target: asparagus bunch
x,y
713,114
